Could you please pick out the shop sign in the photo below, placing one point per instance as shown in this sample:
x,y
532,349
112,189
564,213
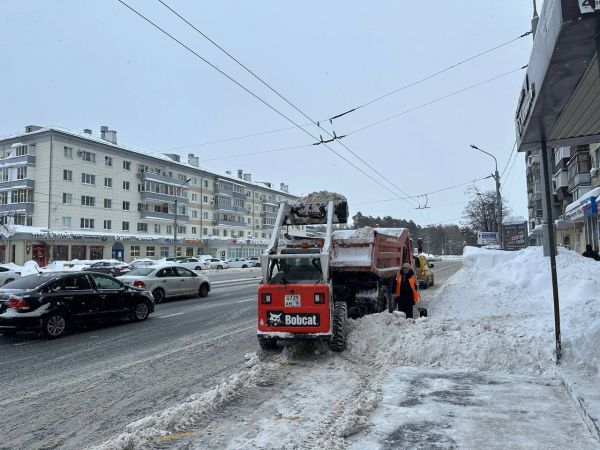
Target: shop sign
x,y
589,6
585,209
487,237
193,241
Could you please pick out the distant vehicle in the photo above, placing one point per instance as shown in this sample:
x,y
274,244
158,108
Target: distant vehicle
x,y
254,261
8,274
216,263
193,264
109,267
137,263
423,271
204,257
167,281
239,263
54,301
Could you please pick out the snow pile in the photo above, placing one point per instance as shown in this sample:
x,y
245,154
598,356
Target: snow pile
x,y
319,197
513,220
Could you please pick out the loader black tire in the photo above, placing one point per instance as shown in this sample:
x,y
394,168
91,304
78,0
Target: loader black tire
x,y
267,343
340,321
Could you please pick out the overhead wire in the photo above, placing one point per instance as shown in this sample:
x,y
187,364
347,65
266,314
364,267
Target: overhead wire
x,y
261,100
285,99
429,77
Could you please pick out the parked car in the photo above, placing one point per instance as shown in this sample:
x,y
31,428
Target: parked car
x,y
216,263
254,261
54,301
137,263
204,257
8,274
113,268
423,271
167,281
193,264
238,263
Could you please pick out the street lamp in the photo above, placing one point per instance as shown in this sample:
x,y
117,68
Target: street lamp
x,y
176,212
496,177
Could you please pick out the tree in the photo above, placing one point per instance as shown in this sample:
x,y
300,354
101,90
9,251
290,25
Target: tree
x,y
480,212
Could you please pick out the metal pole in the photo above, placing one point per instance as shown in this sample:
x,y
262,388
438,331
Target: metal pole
x,y
175,229
499,206
552,240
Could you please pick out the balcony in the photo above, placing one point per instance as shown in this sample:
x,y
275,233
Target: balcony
x,y
151,215
17,207
230,208
231,223
18,160
272,215
583,178
267,226
17,184
561,180
163,198
158,178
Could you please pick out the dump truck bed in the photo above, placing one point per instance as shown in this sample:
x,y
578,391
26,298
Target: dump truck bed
x,y
381,251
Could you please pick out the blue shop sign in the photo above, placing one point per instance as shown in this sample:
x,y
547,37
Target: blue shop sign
x,y
586,208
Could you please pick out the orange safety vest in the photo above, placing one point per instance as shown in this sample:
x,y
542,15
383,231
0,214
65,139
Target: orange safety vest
x,y
411,281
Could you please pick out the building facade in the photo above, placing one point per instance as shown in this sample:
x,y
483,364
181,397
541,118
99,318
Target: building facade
x,y
66,195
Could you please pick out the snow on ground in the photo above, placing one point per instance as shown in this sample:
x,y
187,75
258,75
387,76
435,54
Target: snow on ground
x,y
478,372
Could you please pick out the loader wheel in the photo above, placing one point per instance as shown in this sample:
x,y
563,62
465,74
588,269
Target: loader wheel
x,y
267,343
340,318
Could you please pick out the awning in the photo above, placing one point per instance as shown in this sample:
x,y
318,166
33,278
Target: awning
x,y
585,205
560,99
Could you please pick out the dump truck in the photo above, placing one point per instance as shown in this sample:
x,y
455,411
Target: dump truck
x,y
311,284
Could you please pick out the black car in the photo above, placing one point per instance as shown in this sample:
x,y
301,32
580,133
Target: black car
x,y
113,268
54,301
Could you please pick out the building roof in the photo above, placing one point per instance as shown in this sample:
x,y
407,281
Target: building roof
x,y
158,156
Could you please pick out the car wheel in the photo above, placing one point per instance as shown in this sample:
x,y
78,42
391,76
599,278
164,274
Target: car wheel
x,y
204,289
9,280
198,268
219,267
141,312
244,266
159,295
54,326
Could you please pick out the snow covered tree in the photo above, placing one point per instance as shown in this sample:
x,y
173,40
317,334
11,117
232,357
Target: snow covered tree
x,y
480,212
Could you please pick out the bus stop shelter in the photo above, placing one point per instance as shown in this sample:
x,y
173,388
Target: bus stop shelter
x,y
559,103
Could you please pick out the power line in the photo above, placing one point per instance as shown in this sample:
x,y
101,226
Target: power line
x,y
509,158
285,99
233,80
434,101
295,147
429,77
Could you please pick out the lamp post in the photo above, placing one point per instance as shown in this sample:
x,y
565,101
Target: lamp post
x,y
496,177
176,204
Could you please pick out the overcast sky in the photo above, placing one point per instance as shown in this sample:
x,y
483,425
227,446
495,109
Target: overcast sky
x,y
85,63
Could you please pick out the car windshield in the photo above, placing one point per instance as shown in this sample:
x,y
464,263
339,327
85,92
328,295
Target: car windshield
x,y
29,282
297,271
141,272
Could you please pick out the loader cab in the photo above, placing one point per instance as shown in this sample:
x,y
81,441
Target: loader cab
x,y
301,270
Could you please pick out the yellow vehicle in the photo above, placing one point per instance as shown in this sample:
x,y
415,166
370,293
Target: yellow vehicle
x,y
423,271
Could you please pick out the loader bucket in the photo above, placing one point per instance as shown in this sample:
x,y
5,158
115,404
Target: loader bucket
x,y
315,213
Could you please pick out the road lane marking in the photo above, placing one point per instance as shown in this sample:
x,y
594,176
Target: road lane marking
x,y
216,283
170,315
19,344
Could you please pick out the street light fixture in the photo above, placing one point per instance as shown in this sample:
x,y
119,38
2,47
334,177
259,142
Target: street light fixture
x,y
496,177
176,212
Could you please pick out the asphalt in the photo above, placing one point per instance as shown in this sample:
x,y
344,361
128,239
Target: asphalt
x,y
86,387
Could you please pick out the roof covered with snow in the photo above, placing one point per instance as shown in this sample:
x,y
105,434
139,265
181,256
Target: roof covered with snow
x,y
513,220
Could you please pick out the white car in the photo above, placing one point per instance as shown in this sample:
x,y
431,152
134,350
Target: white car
x,y
8,274
193,264
216,263
254,261
167,281
239,263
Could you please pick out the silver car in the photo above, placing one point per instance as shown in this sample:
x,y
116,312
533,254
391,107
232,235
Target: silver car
x,y
167,281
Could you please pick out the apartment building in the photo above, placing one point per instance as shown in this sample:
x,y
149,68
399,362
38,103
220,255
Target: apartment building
x,y
66,195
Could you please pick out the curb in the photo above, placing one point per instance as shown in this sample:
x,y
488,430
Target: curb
x,y
592,423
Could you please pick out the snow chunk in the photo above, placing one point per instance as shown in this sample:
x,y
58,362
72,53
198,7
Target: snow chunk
x,y
319,197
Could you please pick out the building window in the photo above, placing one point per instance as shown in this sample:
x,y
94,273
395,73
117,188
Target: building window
x,y
78,251
87,223
194,230
157,228
66,222
127,165
205,183
21,173
68,152
108,203
205,214
108,182
108,224
3,198
86,200
181,229
125,206
21,150
126,185
150,251
194,214
194,180
108,161
135,251
205,198
241,233
60,252
67,175
164,252
88,156
142,227
3,174
96,252
67,198
169,229
224,233
194,197
205,231
189,251
88,178
125,226
21,196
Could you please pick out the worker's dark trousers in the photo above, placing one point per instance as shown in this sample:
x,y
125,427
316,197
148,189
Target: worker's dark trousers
x,y
406,306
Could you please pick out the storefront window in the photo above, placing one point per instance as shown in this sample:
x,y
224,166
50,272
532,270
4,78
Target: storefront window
x,y
189,251
96,252
3,253
135,251
60,253
78,251
164,252
150,251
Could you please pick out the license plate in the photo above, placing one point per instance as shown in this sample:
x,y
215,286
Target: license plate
x,y
292,300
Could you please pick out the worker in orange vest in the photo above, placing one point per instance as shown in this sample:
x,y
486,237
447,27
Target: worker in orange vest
x,y
405,289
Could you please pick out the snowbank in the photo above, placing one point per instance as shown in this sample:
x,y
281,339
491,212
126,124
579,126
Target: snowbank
x,y
319,197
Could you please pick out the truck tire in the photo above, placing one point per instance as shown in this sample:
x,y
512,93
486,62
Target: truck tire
x,y
340,318
267,343
382,299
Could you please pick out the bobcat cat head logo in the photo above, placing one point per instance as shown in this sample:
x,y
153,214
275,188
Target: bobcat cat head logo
x,y
275,318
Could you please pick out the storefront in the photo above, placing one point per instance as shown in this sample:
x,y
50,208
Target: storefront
x,y
583,214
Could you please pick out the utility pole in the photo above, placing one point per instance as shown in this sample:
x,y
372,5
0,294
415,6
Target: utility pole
x,y
176,212
496,177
